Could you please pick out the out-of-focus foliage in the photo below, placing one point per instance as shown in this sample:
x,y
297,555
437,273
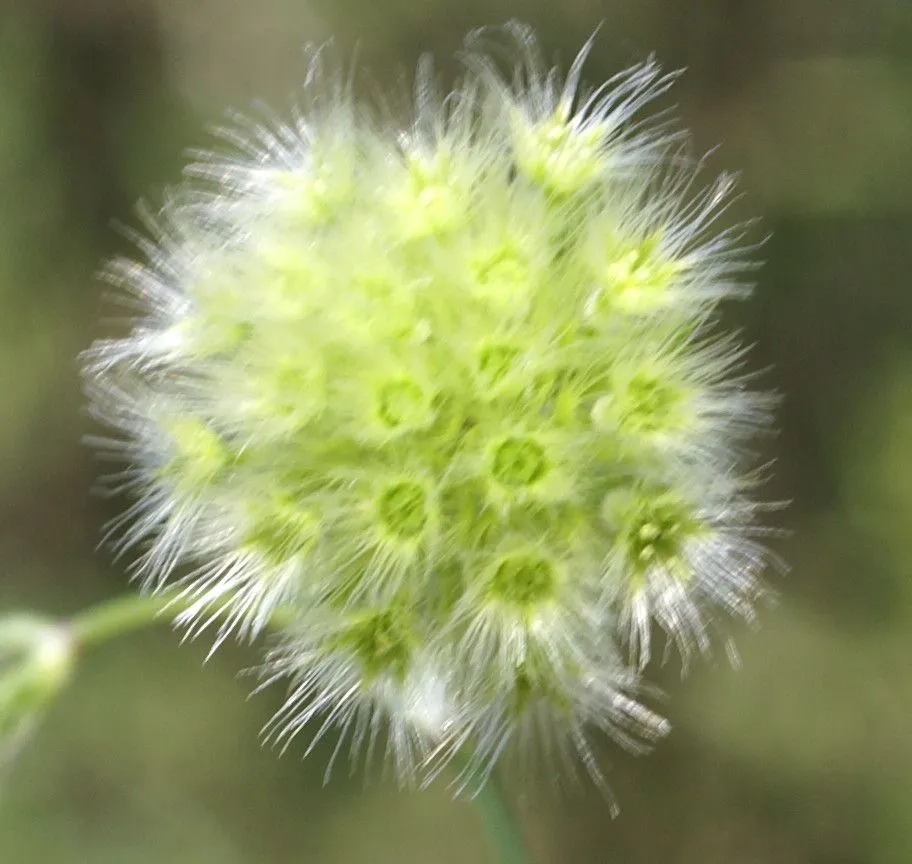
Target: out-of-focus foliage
x,y
803,755
30,211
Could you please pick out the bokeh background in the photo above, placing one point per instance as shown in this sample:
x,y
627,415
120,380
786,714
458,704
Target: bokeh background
x,y
803,756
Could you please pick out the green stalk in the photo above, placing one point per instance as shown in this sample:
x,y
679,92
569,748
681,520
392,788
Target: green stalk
x,y
130,612
499,822
121,615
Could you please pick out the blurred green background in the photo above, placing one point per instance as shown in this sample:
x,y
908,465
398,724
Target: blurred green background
x,y
803,756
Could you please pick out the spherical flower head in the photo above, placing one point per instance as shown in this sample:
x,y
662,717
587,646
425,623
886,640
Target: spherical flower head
x,y
448,396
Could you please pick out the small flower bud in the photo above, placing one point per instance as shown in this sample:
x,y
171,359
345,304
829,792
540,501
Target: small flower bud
x,y
37,658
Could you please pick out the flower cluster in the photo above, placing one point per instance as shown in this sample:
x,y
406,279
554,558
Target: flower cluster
x,y
448,397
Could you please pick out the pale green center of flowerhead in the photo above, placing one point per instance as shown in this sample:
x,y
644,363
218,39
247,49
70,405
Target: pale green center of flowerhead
x,y
518,461
402,508
523,580
557,155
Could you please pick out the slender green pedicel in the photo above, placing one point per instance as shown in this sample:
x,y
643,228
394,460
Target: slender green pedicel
x,y
451,395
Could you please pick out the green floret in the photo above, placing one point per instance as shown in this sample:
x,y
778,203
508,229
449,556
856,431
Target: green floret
x,y
553,154
496,361
432,198
383,641
403,404
501,273
402,509
518,461
200,457
652,525
523,580
634,278
647,403
283,530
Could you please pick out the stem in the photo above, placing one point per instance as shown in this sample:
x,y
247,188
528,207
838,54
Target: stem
x,y
499,822
130,612
121,615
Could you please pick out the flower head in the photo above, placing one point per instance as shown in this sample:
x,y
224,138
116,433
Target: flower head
x,y
448,395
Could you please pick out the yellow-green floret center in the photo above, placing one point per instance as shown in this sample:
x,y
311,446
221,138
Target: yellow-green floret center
x,y
518,462
402,404
402,509
382,640
657,529
524,580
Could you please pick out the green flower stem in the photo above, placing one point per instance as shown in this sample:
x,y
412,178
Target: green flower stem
x,y
123,615
119,616
500,824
